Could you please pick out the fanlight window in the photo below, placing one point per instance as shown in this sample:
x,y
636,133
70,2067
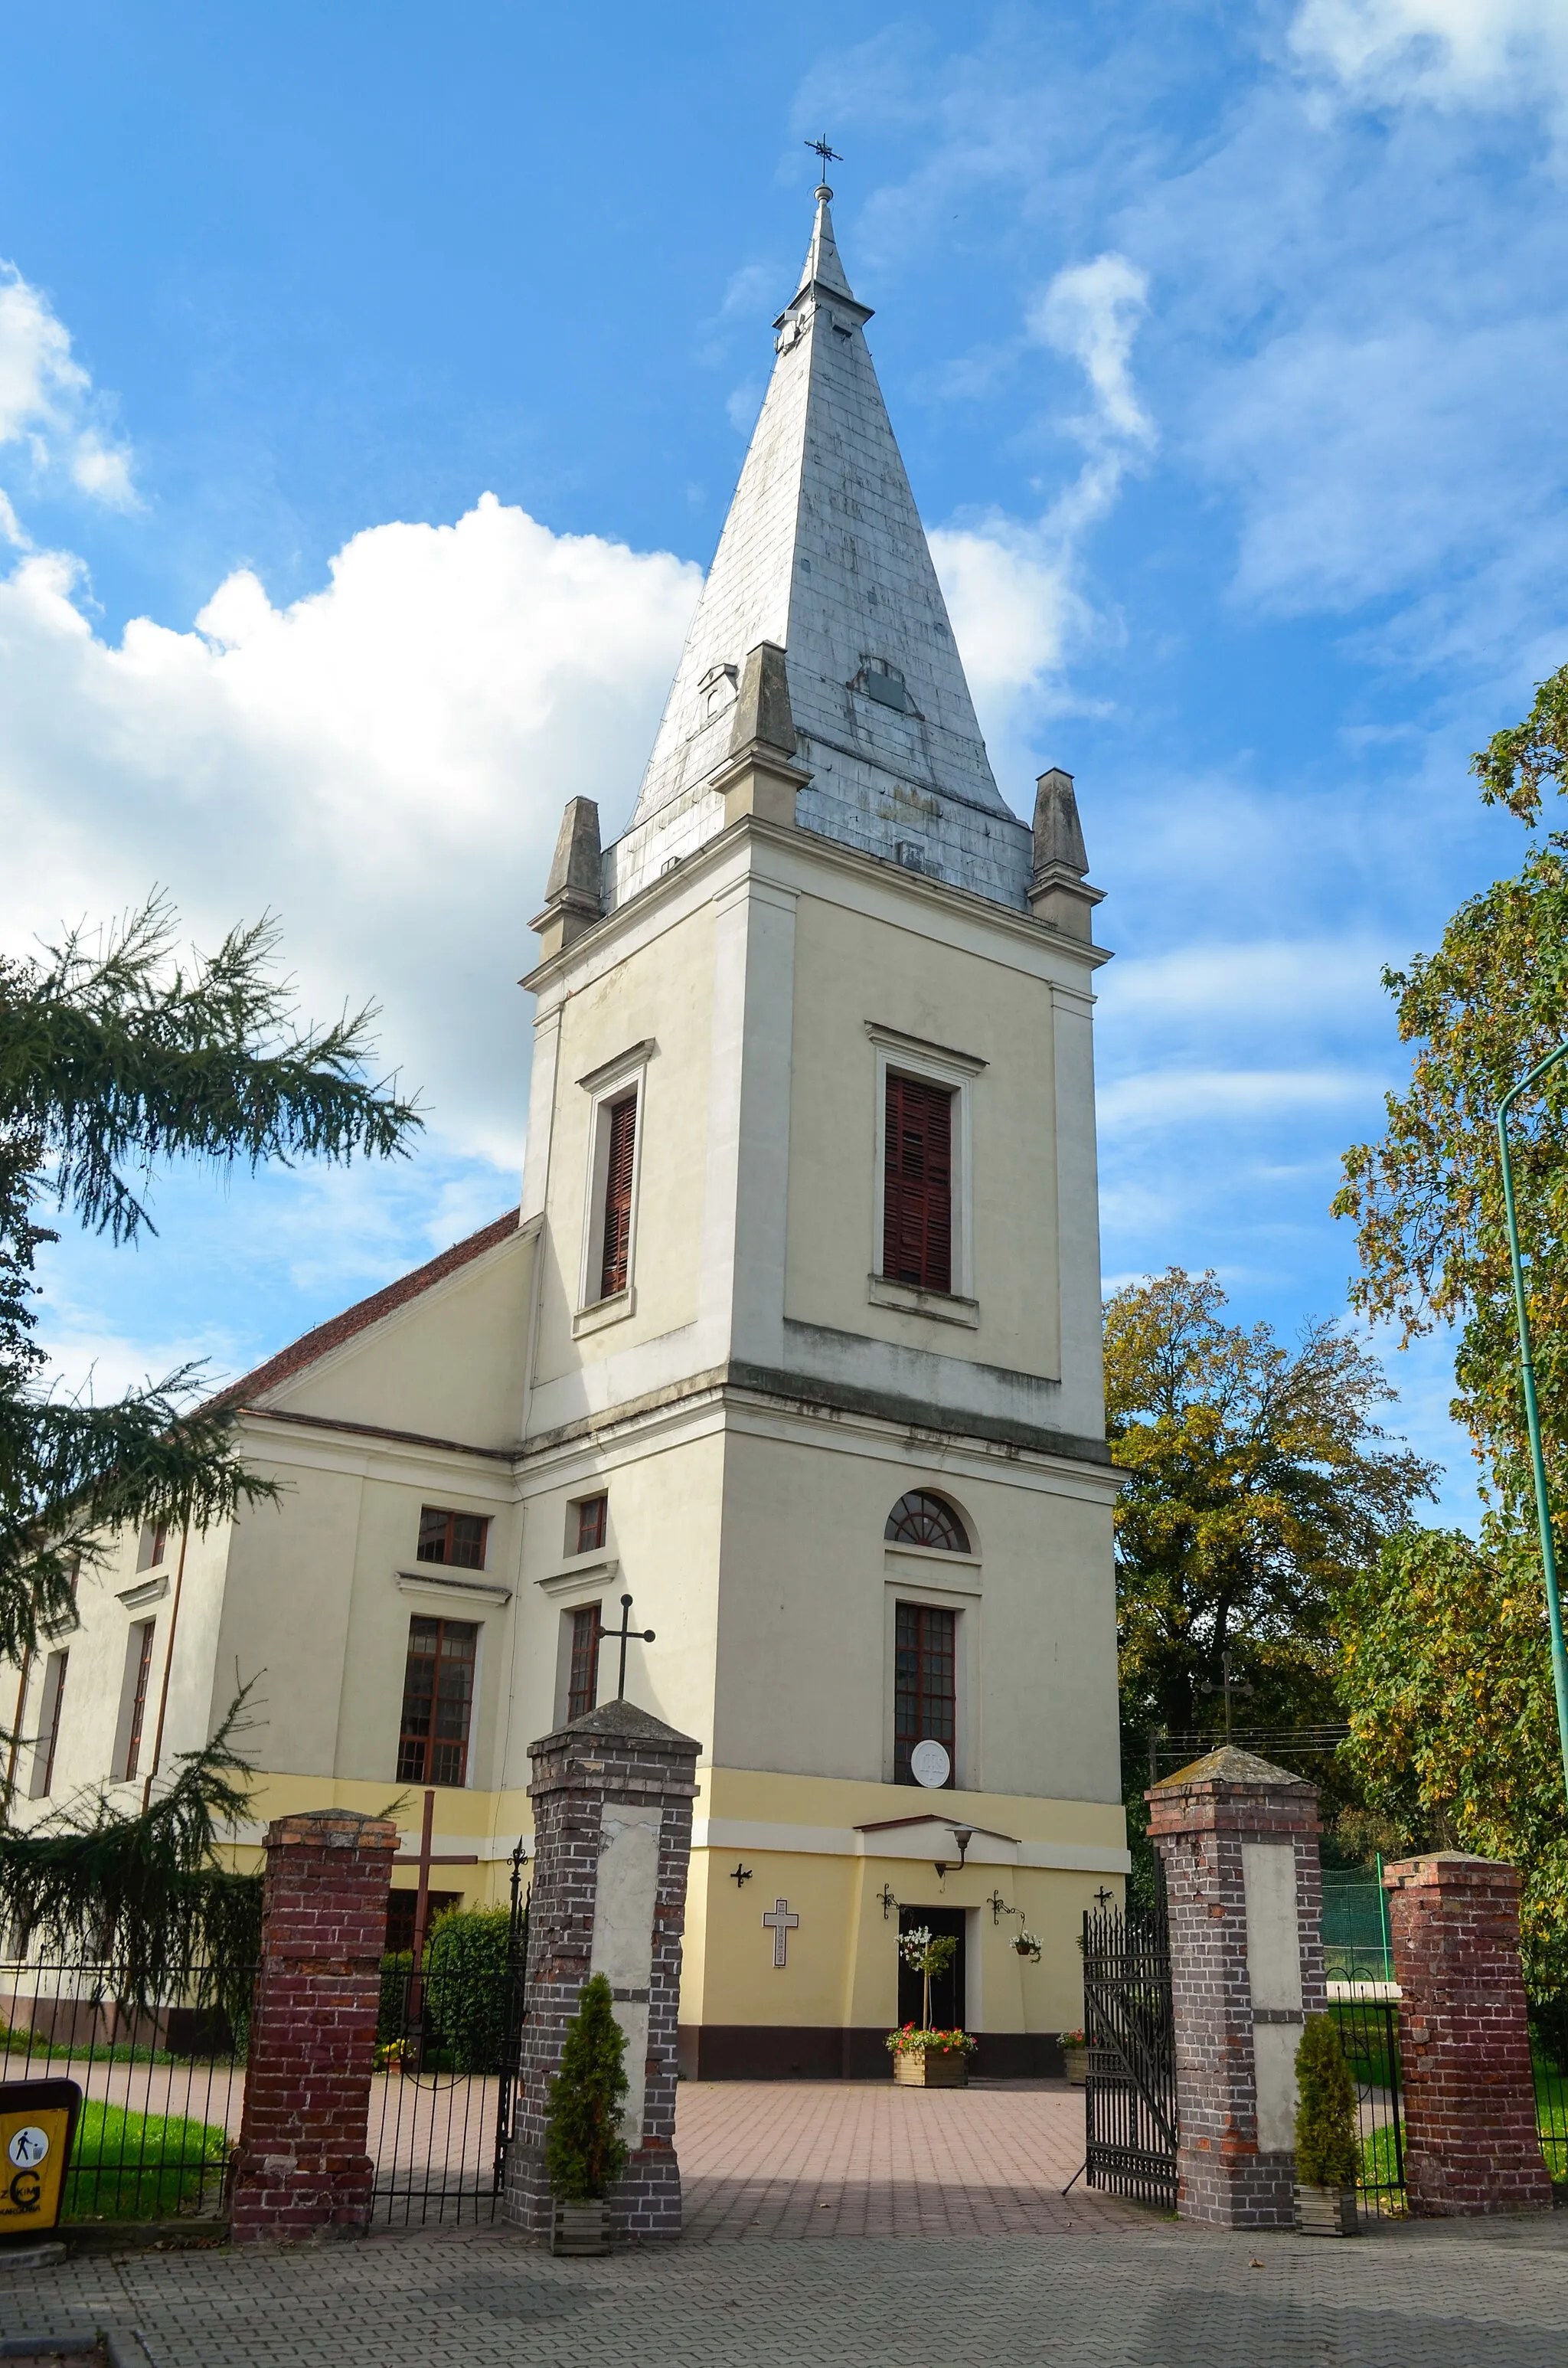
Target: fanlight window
x,y
922,1520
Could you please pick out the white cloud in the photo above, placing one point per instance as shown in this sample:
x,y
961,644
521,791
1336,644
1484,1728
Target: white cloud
x,y
1013,586
383,763
1175,1097
1444,51
48,406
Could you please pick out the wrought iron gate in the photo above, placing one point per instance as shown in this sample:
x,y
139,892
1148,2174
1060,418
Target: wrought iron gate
x,y
1131,2101
512,2039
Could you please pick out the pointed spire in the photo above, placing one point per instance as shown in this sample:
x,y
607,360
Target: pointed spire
x,y
823,563
822,267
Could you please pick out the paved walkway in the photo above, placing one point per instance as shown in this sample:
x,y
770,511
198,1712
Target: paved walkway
x,y
1455,2296
800,2159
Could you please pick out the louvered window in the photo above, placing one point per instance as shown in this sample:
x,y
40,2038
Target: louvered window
x,y
917,1204
618,1197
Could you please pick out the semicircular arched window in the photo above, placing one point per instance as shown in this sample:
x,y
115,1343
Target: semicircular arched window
x,y
922,1520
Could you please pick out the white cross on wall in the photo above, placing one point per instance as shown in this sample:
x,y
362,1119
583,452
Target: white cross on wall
x,y
783,1924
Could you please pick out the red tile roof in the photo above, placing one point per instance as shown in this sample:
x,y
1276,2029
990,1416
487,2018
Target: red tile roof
x,y
305,1350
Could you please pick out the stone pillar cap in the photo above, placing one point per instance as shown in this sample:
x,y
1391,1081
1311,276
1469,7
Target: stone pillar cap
x,y
1231,1765
343,1829
613,1718
1451,1866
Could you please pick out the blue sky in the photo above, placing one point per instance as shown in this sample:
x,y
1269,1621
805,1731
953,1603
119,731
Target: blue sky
x,y
372,385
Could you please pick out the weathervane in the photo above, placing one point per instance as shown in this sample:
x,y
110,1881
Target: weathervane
x,y
828,155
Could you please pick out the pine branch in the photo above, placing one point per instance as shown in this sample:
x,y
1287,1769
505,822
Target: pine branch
x,y
142,1898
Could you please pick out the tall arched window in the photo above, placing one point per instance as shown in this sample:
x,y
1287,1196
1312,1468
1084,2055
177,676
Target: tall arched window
x,y
922,1520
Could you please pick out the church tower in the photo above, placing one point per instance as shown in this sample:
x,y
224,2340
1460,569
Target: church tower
x,y
812,1366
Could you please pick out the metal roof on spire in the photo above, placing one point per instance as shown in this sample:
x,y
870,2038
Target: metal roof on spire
x,y
823,556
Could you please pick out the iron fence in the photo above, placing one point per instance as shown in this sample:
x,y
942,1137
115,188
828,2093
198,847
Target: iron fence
x,y
1368,2029
442,2095
1355,1945
1129,2101
162,2081
1547,2052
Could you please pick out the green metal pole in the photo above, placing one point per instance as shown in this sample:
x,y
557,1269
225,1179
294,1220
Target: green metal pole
x,y
1532,1416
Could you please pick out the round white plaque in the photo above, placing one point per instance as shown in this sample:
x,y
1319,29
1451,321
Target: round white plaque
x,y
28,2146
929,1763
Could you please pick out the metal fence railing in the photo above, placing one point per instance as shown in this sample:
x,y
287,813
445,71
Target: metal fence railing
x,y
162,2078
1354,1926
1368,2028
435,2099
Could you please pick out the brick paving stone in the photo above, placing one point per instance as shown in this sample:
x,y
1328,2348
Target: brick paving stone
x,y
1443,2295
830,2158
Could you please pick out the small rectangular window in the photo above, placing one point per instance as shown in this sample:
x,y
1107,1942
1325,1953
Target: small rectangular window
x,y
917,1184
924,1685
583,1686
138,1655
437,1701
587,1523
455,1538
615,1263
153,1545
50,1707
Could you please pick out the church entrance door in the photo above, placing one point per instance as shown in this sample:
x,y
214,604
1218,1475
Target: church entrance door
x,y
949,1993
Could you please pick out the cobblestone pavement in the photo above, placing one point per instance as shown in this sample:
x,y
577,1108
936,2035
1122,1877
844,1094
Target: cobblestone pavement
x,y
1458,2295
835,2158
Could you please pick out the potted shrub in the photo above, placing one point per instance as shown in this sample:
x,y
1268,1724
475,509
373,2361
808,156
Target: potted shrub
x,y
1075,2056
584,2153
924,2058
930,2059
1328,2155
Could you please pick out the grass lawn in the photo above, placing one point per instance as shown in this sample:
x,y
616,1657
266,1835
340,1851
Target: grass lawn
x,y
128,2166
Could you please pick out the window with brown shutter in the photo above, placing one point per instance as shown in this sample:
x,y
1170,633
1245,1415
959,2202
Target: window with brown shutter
x,y
618,1197
918,1200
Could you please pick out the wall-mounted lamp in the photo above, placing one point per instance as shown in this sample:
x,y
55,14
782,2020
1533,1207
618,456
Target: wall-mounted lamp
x,y
963,1836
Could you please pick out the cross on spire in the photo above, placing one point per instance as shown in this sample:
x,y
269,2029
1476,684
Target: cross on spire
x,y
827,156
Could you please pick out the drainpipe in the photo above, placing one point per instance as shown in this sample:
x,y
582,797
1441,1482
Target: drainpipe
x,y
169,1665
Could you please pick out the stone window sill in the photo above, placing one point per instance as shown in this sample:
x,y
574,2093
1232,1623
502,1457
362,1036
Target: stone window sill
x,y
605,1311
939,1306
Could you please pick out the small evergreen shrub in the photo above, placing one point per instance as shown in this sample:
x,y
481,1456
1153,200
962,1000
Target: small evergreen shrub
x,y
465,1984
1327,2152
584,2153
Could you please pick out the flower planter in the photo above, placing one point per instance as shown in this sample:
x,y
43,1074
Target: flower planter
x,y
1326,2211
931,2067
1075,2062
580,2229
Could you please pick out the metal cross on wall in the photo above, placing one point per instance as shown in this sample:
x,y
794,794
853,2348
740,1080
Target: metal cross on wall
x,y
783,1923
623,1636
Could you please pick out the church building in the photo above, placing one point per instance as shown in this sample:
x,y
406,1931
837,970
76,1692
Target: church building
x,y
795,1340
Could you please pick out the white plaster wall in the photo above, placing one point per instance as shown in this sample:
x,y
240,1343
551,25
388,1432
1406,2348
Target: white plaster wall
x,y
851,969
449,1365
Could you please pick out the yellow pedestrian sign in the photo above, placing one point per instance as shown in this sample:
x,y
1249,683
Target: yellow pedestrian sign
x,y
37,2123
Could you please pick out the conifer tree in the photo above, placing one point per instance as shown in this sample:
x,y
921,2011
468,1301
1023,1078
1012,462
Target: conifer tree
x,y
584,2153
1327,2151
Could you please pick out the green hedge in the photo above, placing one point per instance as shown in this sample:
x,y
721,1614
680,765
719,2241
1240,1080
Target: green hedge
x,y
465,1983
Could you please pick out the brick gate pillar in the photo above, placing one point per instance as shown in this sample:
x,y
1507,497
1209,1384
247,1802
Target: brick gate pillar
x,y
1238,1839
612,1794
302,2169
1464,2052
